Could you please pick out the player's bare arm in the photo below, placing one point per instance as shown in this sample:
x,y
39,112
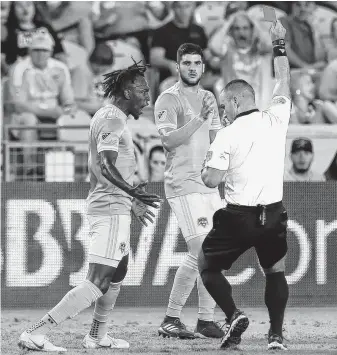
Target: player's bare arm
x,y
110,172
173,138
281,63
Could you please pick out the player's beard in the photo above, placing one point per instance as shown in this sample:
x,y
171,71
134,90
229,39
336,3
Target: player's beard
x,y
189,83
301,171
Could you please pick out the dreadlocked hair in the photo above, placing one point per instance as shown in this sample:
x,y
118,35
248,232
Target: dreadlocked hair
x,y
114,82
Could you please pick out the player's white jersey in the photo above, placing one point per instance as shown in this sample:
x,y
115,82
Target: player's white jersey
x,y
109,131
173,109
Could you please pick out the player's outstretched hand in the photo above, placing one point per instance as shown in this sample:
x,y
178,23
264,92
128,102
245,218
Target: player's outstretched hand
x,y
207,110
139,193
277,31
141,212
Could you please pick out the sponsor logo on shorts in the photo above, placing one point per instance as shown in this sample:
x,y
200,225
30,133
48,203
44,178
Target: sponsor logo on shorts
x,y
122,247
162,115
202,221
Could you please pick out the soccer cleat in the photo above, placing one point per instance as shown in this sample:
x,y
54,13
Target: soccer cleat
x,y
106,342
37,342
275,342
208,329
173,327
234,329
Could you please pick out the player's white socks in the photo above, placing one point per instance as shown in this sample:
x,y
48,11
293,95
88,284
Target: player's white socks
x,y
103,307
206,302
184,282
75,301
182,286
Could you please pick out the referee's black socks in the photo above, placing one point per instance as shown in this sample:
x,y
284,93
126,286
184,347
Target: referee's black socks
x,y
220,289
276,297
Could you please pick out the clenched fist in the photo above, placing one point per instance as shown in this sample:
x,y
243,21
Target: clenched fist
x,y
277,31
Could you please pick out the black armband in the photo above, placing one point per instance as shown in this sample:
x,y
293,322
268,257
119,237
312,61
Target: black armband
x,y
279,48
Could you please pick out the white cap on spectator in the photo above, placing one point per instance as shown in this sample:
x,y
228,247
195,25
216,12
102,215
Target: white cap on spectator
x,y
42,39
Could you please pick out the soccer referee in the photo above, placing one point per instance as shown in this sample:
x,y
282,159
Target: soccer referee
x,y
250,154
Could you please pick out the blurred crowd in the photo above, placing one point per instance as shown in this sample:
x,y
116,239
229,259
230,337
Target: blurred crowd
x,y
54,55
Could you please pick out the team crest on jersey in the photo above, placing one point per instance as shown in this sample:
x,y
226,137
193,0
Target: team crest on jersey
x,y
122,247
202,221
162,115
107,137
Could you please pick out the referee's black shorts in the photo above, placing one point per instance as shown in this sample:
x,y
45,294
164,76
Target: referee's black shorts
x,y
239,228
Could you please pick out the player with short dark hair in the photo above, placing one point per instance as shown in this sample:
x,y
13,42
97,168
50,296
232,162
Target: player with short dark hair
x,y
302,156
111,170
187,119
249,153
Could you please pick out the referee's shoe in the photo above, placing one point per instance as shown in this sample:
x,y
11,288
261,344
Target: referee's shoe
x,y
234,329
275,342
172,327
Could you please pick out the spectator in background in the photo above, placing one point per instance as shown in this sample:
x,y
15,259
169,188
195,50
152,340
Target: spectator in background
x,y
304,45
5,6
70,22
157,161
328,91
40,89
168,38
332,44
302,156
305,110
24,20
331,172
246,54
87,80
127,20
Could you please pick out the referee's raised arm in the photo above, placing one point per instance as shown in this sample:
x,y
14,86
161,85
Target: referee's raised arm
x,y
281,63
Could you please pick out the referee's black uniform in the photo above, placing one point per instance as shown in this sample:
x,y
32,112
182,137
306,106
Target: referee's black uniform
x,y
251,152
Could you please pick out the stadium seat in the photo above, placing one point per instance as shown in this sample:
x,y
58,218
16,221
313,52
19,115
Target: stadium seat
x,y
76,135
59,166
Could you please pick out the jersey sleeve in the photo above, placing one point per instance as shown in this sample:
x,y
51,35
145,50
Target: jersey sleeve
x,y
280,109
218,154
108,133
166,112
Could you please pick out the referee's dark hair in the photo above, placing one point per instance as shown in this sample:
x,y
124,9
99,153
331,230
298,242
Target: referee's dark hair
x,y
117,81
239,87
189,48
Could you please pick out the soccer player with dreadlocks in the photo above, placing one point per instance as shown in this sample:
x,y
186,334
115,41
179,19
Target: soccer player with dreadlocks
x,y
111,168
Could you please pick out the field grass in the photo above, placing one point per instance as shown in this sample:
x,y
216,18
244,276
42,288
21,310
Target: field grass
x,y
308,331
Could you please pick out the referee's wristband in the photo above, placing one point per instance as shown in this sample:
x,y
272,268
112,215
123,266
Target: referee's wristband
x,y
279,48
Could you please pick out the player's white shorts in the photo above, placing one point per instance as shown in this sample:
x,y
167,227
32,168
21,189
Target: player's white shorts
x,y
195,212
109,239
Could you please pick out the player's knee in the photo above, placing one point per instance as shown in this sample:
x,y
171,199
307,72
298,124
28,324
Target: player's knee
x,y
194,245
121,270
102,283
279,266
